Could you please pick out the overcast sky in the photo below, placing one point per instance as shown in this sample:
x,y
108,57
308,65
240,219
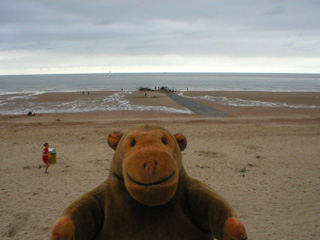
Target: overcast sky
x,y
95,36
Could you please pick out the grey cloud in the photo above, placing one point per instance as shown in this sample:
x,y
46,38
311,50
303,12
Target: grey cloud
x,y
274,11
227,28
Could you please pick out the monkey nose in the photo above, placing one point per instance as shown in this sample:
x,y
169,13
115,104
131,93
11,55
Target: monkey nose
x,y
150,167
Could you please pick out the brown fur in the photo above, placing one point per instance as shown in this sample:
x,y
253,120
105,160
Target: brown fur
x,y
148,195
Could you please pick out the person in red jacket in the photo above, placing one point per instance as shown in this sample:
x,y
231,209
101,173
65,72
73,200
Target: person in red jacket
x,y
45,156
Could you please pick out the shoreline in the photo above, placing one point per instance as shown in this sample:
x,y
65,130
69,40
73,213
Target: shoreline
x,y
234,103
155,91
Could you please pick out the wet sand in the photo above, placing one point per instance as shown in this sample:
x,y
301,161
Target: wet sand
x,y
264,161
307,99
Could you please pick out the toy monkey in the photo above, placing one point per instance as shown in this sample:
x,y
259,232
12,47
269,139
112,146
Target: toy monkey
x,y
149,196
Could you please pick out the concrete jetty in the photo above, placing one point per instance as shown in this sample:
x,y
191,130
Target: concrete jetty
x,y
196,107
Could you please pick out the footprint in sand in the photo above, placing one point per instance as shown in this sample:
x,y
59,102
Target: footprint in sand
x,y
251,148
210,154
18,224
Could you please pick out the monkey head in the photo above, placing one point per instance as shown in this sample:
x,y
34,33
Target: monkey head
x,y
148,159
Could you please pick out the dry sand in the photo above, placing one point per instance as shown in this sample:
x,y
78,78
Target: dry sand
x,y
264,161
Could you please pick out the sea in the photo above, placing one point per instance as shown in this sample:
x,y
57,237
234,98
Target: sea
x,y
26,87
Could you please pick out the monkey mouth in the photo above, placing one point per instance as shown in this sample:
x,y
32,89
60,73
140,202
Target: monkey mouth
x,y
154,183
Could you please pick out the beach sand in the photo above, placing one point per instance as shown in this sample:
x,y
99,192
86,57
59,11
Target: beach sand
x,y
264,161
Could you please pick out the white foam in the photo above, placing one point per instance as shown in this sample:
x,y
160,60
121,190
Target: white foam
x,y
22,96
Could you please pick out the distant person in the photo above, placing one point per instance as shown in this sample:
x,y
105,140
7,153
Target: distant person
x,y
29,113
45,157
88,93
145,94
82,92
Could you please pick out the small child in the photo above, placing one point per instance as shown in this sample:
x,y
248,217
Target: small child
x,y
45,156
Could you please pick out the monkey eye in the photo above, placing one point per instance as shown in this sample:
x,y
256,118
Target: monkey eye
x,y
164,141
133,142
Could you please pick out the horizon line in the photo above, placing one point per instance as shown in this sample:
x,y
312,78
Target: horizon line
x,y
110,73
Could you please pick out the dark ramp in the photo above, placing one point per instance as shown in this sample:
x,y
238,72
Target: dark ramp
x,y
196,107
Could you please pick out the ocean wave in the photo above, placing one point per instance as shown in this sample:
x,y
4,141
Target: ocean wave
x,y
20,96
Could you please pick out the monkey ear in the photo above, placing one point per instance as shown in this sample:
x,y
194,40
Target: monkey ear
x,y
182,141
114,138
